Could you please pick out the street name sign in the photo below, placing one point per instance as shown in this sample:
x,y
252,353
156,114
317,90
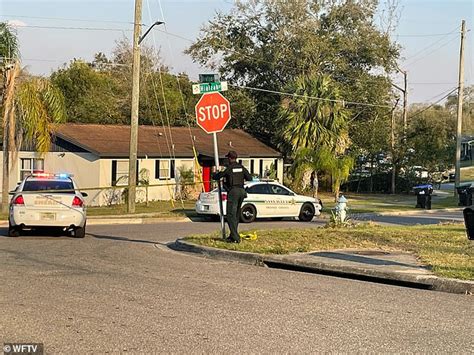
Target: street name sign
x,y
203,88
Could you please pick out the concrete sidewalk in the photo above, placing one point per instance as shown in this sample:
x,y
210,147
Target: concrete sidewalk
x,y
371,265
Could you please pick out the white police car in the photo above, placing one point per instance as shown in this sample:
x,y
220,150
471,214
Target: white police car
x,y
264,200
47,200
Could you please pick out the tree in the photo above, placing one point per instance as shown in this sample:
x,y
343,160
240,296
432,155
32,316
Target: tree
x,y
468,109
315,115
91,95
315,129
100,91
263,45
9,53
431,139
323,159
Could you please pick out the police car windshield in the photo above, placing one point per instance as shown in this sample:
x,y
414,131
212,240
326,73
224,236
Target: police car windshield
x,y
49,185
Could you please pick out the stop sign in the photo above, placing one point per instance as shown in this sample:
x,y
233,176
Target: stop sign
x,y
212,112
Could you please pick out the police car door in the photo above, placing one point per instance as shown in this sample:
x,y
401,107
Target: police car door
x,y
283,201
259,196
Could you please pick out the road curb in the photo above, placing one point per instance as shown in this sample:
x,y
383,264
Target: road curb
x,y
228,255
109,221
430,282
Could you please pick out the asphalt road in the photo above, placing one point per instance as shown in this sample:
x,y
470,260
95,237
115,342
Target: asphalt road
x,y
121,289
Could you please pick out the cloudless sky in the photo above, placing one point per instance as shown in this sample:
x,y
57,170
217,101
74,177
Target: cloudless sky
x,y
431,54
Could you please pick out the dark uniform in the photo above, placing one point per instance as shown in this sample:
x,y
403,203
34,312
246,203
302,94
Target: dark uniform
x,y
234,177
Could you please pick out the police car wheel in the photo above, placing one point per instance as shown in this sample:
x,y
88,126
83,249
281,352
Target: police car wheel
x,y
307,213
248,213
13,232
79,232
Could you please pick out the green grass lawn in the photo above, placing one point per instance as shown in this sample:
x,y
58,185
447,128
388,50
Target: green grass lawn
x,y
445,248
367,203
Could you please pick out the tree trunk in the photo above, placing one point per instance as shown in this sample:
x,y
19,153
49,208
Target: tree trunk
x,y
315,184
394,176
8,134
146,195
371,180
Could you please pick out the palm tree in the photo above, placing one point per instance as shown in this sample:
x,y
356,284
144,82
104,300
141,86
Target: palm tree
x,y
316,129
8,56
340,169
31,108
323,159
315,116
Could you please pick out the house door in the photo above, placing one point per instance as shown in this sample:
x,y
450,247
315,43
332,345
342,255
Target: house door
x,y
206,178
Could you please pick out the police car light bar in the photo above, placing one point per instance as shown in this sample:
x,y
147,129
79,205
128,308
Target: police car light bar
x,y
50,175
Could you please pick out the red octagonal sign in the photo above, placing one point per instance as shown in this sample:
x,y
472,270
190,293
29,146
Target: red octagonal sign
x,y
213,112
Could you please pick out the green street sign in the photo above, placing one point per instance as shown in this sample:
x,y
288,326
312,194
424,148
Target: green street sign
x,y
209,78
210,87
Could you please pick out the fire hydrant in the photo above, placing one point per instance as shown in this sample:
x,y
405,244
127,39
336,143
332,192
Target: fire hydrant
x,y
341,209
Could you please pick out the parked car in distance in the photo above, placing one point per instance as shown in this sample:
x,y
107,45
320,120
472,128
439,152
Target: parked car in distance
x,y
265,199
47,200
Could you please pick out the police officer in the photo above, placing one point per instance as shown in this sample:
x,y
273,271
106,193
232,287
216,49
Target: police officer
x,y
234,177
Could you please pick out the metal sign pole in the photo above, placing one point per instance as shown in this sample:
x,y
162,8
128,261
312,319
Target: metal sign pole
x,y
221,206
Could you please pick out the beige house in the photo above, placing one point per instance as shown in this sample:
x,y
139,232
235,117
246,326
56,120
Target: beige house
x,y
97,156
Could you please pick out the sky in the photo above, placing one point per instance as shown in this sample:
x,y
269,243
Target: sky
x,y
427,30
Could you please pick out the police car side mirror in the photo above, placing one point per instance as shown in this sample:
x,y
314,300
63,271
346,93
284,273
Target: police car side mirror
x,y
12,192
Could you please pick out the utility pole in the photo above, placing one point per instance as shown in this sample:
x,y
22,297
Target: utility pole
x,y
459,115
405,101
392,146
132,162
405,106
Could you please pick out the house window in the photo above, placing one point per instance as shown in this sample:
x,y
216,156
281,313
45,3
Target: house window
x,y
119,172
30,165
164,169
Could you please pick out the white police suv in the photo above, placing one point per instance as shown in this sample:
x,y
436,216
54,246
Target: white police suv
x,y
265,199
47,200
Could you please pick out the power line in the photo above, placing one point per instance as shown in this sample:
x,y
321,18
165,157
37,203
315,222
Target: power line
x,y
12,17
309,97
100,29
76,28
425,35
434,103
432,44
432,51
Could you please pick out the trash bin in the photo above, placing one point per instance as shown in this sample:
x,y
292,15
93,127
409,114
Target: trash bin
x,y
469,222
465,194
423,196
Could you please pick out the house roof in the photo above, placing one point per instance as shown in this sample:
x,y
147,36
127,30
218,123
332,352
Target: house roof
x,y
113,141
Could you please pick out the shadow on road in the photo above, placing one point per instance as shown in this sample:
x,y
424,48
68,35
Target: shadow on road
x,y
122,239
359,259
40,233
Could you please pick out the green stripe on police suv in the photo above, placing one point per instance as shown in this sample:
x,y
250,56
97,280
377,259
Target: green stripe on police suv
x,y
274,201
